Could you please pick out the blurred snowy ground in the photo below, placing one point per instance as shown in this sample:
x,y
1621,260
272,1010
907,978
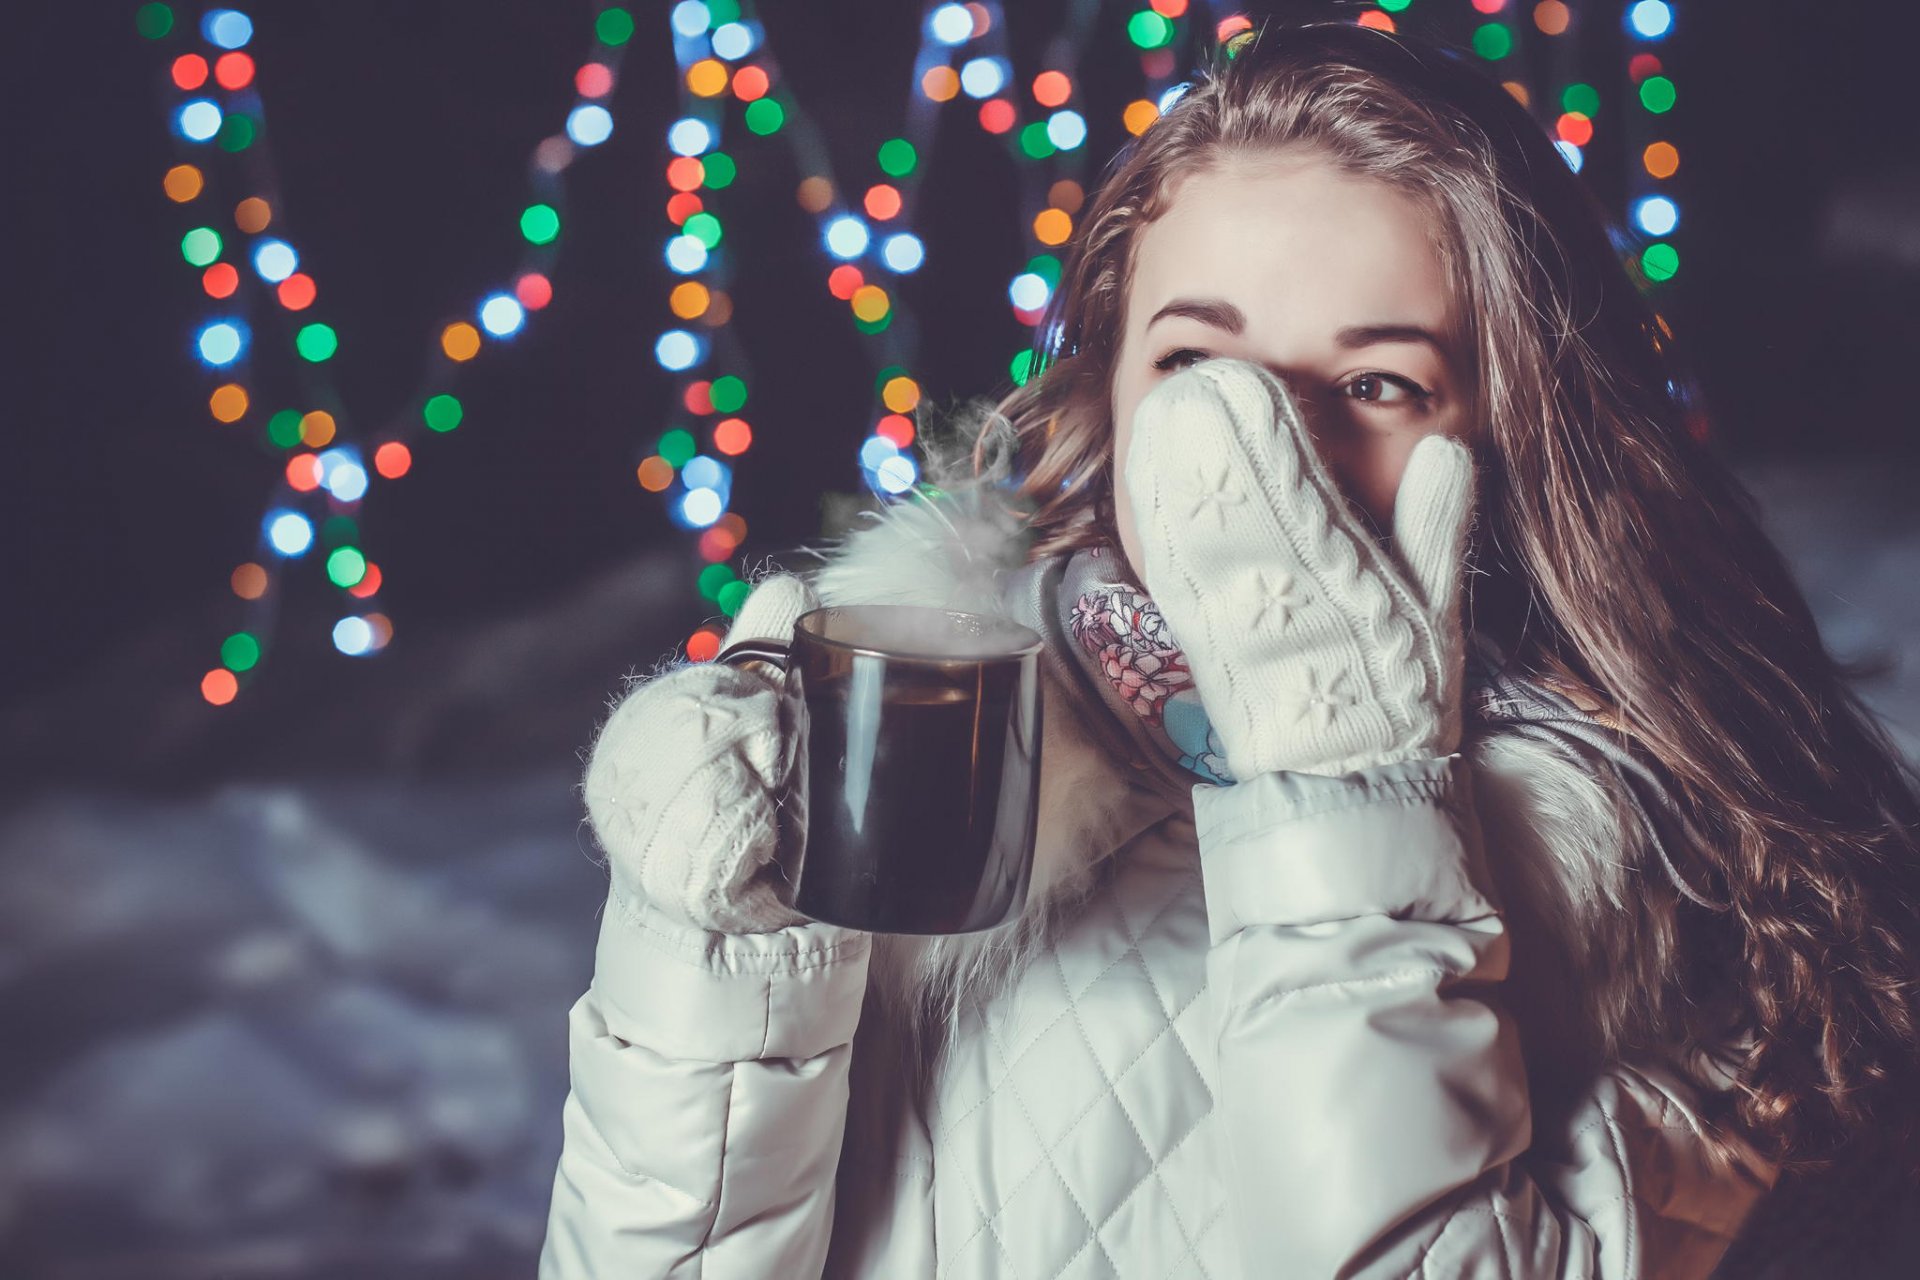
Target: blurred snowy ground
x,y
306,1020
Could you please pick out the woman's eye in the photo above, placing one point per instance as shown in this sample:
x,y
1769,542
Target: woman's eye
x,y
1375,383
1172,360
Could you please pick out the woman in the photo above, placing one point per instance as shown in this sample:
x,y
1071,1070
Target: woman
x,y
1458,854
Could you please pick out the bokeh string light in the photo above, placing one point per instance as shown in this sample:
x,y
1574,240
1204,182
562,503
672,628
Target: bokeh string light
x,y
865,227
730,85
252,275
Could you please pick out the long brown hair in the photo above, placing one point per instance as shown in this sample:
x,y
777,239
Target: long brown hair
x,y
1613,551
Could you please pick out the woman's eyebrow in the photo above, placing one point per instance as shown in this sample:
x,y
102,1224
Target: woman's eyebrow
x,y
1221,314
1217,312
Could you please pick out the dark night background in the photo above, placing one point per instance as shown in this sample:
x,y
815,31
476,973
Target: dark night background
x,y
314,866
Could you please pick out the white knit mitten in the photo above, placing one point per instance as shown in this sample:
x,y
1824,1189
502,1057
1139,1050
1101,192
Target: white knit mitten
x,y
1312,648
683,781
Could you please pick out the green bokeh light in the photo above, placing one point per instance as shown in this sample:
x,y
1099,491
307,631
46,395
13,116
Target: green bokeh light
x,y
1021,368
721,12
703,227
1047,267
201,246
729,395
153,20
720,170
339,531
874,326
1148,30
614,26
1583,98
677,447
316,342
1393,6
732,596
236,132
714,577
1492,41
240,652
442,412
887,375
1656,94
1660,261
346,566
540,223
765,116
283,428
1035,142
897,157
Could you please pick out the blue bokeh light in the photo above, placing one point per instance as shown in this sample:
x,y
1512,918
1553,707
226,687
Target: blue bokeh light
x,y
903,252
288,532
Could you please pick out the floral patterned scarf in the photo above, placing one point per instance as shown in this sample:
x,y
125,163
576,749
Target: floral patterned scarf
x,y
1129,655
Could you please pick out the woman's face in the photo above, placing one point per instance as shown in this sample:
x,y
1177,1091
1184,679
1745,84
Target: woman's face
x,y
1327,280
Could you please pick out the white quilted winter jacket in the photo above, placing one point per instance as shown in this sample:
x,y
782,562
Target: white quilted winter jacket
x,y
1298,1027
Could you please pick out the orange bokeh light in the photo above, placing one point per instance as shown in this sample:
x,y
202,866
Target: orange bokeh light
x,y
702,645
1052,88
883,201
707,77
731,436
228,403
252,215
369,583
1052,226
1139,114
249,581
655,474
182,183
940,84
814,193
317,428
460,340
219,686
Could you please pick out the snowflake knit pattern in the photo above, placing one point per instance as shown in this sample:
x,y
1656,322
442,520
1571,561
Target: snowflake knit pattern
x,y
1314,647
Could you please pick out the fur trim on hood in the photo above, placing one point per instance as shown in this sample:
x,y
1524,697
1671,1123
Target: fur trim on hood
x,y
1598,971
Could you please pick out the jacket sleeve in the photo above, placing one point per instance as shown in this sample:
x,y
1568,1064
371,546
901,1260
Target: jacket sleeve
x,y
1373,1097
708,1102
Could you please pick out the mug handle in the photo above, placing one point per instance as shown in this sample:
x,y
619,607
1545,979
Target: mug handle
x,y
745,651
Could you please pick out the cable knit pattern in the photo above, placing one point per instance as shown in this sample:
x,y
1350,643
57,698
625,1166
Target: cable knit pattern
x,y
1312,648
683,785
